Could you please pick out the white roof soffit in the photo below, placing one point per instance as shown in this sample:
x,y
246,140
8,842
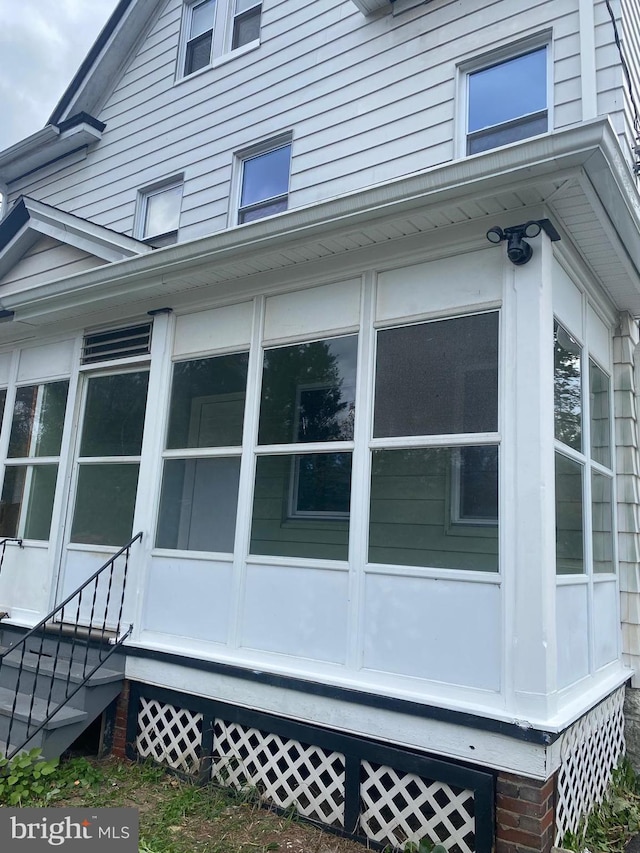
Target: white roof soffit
x,y
370,7
38,219
44,147
583,162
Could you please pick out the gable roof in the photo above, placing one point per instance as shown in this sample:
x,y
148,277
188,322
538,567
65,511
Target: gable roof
x,y
28,220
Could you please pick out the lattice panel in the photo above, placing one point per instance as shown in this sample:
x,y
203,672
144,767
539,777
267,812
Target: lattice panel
x,y
285,772
170,735
590,750
399,807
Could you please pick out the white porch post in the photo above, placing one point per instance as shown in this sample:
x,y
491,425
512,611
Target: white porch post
x,y
529,487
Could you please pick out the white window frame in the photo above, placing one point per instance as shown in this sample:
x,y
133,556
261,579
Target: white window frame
x,y
240,158
224,17
144,194
497,56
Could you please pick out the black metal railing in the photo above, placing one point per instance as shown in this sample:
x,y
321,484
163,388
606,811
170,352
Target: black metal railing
x,y
89,621
3,547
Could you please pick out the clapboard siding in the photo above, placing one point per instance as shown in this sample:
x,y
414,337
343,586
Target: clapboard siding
x,y
630,34
48,260
367,100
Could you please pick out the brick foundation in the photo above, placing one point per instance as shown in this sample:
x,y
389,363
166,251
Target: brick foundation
x,y
524,814
120,725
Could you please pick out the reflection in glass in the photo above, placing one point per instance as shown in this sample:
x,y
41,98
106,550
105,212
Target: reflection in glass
x,y
11,499
418,508
114,415
198,504
600,424
602,521
40,506
105,501
207,402
438,378
569,515
567,387
308,392
301,506
38,419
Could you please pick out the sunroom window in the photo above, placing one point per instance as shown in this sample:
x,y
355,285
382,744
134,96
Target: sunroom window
x,y
303,471
434,475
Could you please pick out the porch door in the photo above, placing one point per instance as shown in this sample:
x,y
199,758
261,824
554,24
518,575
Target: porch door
x,y
105,481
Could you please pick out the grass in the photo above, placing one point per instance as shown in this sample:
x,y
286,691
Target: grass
x,y
180,817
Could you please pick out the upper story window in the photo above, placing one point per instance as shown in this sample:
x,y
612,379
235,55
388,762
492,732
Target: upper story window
x,y
213,27
158,214
264,181
507,101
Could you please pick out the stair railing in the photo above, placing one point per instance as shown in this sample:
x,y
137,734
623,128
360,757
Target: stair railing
x,y
3,547
98,602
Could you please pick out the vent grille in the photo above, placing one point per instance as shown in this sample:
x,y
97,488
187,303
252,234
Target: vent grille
x,y
117,343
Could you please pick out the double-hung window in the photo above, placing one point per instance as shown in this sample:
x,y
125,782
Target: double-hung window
x,y
507,101
264,181
158,213
211,28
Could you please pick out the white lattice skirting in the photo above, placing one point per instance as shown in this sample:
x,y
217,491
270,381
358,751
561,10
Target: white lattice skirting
x,y
590,750
170,735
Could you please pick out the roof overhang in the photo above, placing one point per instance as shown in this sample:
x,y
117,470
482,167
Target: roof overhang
x,y
578,177
29,220
371,7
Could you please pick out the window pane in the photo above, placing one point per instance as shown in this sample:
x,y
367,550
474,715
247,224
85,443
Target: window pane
x,y
505,134
49,430
308,392
162,211
198,53
36,429
246,28
418,508
508,90
265,176
438,378
262,210
301,506
602,521
40,507
3,400
567,388
202,16
198,504
11,500
114,415
105,501
207,402
569,527
600,426
24,413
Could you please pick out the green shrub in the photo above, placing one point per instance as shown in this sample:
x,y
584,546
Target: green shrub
x,y
25,779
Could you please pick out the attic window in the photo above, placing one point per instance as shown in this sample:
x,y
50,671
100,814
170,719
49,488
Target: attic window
x,y
212,28
110,344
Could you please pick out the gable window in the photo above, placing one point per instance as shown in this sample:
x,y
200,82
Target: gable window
x,y
507,101
213,27
264,182
158,217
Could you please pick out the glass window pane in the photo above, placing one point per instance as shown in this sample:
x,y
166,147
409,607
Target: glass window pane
x,y
262,210
114,415
202,16
24,413
198,504
51,421
308,392
40,507
602,521
569,525
11,499
567,388
600,411
3,400
506,134
162,211
508,90
301,506
207,402
105,500
198,53
265,175
246,28
421,516
438,378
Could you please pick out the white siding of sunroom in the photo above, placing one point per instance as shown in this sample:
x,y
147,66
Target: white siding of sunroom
x,y
47,260
367,100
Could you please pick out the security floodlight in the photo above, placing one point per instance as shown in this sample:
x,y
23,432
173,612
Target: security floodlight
x,y
519,251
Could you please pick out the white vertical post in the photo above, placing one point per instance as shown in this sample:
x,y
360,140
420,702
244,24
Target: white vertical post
x,y
529,487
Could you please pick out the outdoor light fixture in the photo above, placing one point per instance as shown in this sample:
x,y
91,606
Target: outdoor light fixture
x,y
519,251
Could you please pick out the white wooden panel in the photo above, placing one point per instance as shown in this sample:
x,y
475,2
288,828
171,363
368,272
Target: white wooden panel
x,y
606,626
599,338
217,329
43,362
447,284
5,367
25,579
567,301
296,611
48,260
314,311
572,627
433,629
79,564
188,598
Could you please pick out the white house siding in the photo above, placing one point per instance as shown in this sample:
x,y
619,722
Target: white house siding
x,y
631,53
48,260
366,99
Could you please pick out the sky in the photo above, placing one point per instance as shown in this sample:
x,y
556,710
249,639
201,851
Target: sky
x,y
42,43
